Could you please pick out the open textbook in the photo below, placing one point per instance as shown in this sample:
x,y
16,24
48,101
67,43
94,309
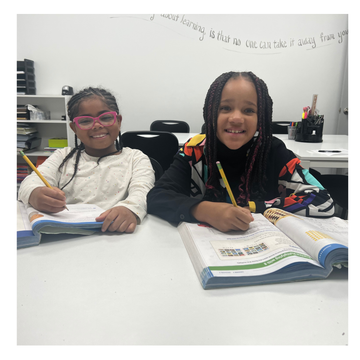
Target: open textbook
x,y
31,223
277,247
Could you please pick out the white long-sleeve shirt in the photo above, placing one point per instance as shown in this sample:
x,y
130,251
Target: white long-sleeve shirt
x,y
118,180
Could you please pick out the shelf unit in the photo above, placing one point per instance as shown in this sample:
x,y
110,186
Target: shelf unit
x,y
54,127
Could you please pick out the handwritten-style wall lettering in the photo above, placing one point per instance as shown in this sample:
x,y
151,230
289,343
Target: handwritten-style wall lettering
x,y
306,42
341,34
181,19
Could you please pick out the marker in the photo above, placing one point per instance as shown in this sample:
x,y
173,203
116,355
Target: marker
x,y
305,112
37,172
330,151
226,183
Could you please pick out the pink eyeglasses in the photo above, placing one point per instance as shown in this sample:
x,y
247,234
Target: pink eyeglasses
x,y
88,122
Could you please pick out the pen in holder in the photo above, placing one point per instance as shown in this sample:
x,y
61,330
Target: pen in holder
x,y
310,129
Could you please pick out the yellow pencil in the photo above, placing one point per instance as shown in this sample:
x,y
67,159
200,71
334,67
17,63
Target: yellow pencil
x,y
37,172
226,183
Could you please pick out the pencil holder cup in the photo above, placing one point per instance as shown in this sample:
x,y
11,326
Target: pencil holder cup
x,y
310,129
291,132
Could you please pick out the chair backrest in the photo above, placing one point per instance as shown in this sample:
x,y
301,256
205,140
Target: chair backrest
x,y
159,145
203,128
170,126
280,127
157,168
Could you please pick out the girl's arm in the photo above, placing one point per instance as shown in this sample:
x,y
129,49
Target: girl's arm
x,y
223,216
142,180
299,192
48,200
170,198
49,169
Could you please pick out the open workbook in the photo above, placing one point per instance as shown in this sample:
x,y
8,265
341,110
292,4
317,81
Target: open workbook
x,y
277,247
31,223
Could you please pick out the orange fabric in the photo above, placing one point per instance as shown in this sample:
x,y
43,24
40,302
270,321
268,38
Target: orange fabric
x,y
198,153
294,199
188,150
290,166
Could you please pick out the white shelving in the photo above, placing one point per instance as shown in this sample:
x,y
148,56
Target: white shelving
x,y
54,127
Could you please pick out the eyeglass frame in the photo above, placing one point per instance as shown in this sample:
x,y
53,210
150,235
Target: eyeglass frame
x,y
76,119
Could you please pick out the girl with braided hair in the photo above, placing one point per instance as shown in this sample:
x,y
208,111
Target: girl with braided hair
x,y
98,170
261,171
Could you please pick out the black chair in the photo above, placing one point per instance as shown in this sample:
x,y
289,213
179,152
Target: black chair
x,y
159,145
280,127
203,128
170,126
338,187
157,168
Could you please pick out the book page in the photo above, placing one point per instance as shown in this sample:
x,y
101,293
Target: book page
x,y
23,222
338,228
311,234
261,249
78,213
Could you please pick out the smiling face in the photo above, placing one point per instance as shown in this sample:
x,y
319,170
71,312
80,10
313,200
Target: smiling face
x,y
99,140
237,114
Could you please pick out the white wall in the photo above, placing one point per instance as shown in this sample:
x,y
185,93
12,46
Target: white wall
x,y
161,68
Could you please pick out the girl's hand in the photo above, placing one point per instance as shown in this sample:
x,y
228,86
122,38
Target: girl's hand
x,y
119,219
48,200
223,216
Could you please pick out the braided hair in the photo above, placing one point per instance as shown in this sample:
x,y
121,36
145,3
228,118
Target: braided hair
x,y
73,111
253,179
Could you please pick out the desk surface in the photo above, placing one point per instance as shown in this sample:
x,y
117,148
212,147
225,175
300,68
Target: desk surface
x,y
141,289
310,156
183,137
308,152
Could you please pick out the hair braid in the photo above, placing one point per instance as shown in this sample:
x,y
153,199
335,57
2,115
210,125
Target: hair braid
x,y
253,179
210,113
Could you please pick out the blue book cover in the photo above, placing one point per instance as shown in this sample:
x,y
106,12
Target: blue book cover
x,y
78,219
25,234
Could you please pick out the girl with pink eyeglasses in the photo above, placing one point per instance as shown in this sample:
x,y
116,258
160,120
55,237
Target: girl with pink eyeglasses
x,y
98,170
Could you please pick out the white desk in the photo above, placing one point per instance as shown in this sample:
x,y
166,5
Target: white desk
x,y
310,157
141,288
305,151
183,137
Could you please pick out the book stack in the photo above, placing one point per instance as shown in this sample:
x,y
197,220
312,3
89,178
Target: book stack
x,y
26,77
22,172
27,137
23,112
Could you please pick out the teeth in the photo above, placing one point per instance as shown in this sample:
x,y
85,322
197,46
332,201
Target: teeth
x,y
235,131
98,136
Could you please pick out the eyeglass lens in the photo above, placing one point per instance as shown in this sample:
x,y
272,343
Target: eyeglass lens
x,y
105,120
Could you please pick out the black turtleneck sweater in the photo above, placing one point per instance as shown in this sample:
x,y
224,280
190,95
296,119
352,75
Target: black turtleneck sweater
x,y
233,163
183,185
